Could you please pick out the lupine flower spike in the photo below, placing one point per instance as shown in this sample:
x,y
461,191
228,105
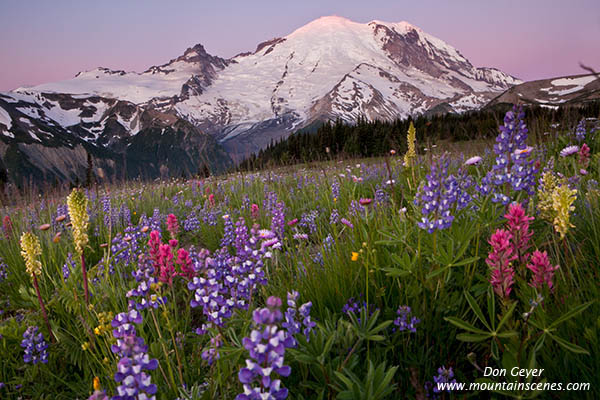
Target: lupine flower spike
x,y
77,203
31,250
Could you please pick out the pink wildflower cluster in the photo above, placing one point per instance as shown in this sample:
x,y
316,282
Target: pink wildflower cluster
x,y
543,271
499,260
164,261
513,244
518,226
172,225
254,211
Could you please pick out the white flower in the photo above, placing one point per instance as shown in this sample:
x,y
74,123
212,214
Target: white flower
x,y
473,160
569,150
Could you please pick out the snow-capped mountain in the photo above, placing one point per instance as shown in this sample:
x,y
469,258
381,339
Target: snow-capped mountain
x,y
330,68
553,92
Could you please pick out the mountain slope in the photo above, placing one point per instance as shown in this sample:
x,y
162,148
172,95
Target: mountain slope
x,y
331,68
552,92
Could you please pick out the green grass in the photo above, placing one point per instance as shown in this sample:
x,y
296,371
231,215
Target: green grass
x,y
443,277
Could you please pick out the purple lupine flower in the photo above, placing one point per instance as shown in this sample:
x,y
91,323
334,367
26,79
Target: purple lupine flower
x,y
293,325
328,242
355,208
356,306
133,381
403,323
381,196
106,211
266,345
278,219
210,354
444,376
228,234
140,297
68,266
3,270
227,282
334,218
308,221
580,131
191,223
436,197
512,166
335,190
34,346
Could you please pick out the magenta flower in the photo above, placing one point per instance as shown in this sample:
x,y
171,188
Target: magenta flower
x,y
347,223
167,270
543,271
172,225
153,248
254,211
365,201
584,155
185,263
518,226
293,222
499,259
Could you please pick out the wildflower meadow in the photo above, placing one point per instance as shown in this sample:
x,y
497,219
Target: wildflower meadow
x,y
364,279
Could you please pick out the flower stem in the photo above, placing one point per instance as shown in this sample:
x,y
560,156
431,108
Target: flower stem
x,y
45,315
85,280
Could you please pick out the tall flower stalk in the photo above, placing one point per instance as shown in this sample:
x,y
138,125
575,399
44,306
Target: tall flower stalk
x,y
31,250
77,203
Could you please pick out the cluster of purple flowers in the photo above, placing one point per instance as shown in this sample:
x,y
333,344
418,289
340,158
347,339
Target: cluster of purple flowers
x,y
335,190
444,376
140,297
437,196
34,346
580,131
3,270
297,317
191,223
228,234
266,346
226,282
133,381
68,266
334,218
309,221
403,323
356,306
278,219
512,168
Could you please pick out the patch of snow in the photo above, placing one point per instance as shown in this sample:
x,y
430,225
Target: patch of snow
x,y
581,81
34,136
30,111
5,118
7,133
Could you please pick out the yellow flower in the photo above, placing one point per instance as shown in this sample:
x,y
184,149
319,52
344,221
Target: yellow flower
x,y
31,250
77,202
97,383
545,190
411,139
562,200
354,256
85,346
98,330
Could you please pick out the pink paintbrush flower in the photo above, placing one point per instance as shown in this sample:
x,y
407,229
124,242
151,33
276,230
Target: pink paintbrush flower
x,y
543,271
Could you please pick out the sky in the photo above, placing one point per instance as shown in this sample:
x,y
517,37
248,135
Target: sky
x,y
49,40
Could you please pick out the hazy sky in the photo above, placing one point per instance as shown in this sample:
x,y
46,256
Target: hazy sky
x,y
48,40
